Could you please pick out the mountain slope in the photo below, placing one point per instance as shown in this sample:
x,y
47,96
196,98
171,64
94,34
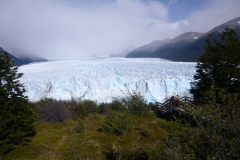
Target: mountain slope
x,y
16,61
189,46
26,57
193,51
170,49
21,58
146,50
232,24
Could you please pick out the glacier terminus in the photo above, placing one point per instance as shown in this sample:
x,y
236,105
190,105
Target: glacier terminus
x,y
101,79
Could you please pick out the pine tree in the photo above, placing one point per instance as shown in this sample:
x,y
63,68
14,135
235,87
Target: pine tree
x,y
218,70
16,113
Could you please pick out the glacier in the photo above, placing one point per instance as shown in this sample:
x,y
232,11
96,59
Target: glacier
x,y
101,79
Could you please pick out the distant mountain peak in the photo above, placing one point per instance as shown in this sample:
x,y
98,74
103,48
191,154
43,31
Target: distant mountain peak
x,y
188,36
232,24
146,50
188,46
193,51
152,45
21,57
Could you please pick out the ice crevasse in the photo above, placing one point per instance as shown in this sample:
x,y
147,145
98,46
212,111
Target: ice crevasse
x,y
101,79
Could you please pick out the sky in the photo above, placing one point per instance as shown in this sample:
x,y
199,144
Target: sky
x,y
66,29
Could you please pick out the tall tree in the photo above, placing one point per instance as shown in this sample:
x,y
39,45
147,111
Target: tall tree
x,y
218,70
16,113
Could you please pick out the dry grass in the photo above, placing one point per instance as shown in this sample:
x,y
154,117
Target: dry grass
x,y
61,141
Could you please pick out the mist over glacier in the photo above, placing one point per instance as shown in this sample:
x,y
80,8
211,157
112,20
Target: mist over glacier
x,y
101,79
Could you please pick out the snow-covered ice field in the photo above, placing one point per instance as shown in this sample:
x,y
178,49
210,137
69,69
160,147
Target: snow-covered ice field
x,y
101,79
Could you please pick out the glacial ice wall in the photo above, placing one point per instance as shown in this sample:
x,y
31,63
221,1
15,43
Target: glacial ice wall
x,y
101,79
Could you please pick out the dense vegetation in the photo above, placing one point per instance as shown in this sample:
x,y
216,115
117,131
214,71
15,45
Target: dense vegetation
x,y
16,113
217,83
125,128
218,71
105,131
114,132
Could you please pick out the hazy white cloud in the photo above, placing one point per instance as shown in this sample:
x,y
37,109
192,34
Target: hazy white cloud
x,y
215,13
52,29
59,29
170,2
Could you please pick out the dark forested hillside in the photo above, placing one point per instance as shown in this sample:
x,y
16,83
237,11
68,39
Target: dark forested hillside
x,y
146,50
21,58
193,51
26,57
17,61
189,46
171,49
166,49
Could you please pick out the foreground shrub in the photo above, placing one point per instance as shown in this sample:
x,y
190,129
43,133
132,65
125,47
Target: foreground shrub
x,y
117,124
220,128
80,111
91,107
105,109
72,107
50,110
80,128
216,134
118,105
136,103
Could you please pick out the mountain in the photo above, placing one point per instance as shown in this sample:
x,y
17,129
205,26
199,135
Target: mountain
x,y
146,50
25,56
165,49
16,61
21,58
232,24
171,49
193,51
189,46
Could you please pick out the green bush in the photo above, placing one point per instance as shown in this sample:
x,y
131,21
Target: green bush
x,y
91,107
72,107
50,110
81,111
105,109
216,132
136,103
117,124
118,105
80,126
